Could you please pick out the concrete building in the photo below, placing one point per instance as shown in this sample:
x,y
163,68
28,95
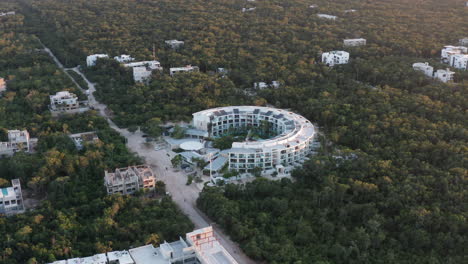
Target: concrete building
x,y
424,68
142,70
250,9
350,10
264,85
464,42
66,102
81,139
188,68
354,42
459,61
199,247
130,179
11,199
174,43
91,59
444,75
325,16
448,51
17,141
291,143
124,58
9,13
336,57
313,6
3,85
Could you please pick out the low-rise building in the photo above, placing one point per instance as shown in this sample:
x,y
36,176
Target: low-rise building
x,y
81,139
464,42
313,6
354,42
3,85
335,57
91,59
124,58
327,16
11,199
199,247
130,179
424,68
188,68
459,61
350,10
142,70
448,51
174,43
249,9
9,13
18,140
66,102
444,75
264,85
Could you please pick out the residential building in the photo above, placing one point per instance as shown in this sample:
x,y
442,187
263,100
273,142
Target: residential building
x,y
10,13
313,6
130,179
142,70
424,68
333,58
327,16
3,85
448,51
464,42
222,71
199,247
264,85
459,61
91,59
66,102
18,140
444,75
81,139
188,68
174,43
350,10
291,143
11,199
124,58
354,42
249,9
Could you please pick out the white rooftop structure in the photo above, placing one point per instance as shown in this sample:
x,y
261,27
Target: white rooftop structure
x,y
424,68
120,257
192,145
9,13
65,101
82,138
354,42
142,70
124,58
264,85
174,43
91,59
250,9
327,16
96,259
188,68
444,75
11,198
464,42
350,10
18,140
336,57
313,6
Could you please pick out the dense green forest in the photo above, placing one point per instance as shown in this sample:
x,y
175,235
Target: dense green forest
x,y
75,216
403,199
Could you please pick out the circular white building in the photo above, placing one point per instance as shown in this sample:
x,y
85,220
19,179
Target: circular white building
x,y
290,144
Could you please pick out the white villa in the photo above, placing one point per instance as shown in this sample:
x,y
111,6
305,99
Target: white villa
x,y
174,43
424,68
188,68
459,61
124,58
18,140
11,199
91,59
9,13
444,75
354,42
264,85
142,70
81,139
130,179
333,58
448,51
200,246
66,102
327,16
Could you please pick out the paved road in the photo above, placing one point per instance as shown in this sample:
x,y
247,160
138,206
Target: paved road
x,y
184,196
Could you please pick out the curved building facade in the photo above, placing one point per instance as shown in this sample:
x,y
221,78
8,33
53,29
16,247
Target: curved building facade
x,y
292,142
